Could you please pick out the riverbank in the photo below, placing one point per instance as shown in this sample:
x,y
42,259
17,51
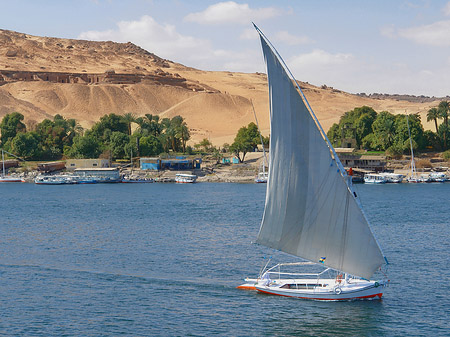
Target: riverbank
x,y
244,172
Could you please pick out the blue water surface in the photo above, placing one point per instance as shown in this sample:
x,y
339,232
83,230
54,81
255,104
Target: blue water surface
x,y
164,260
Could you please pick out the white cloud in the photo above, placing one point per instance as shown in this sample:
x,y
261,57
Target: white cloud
x,y
163,40
446,9
388,31
435,34
249,34
320,58
232,12
292,40
166,42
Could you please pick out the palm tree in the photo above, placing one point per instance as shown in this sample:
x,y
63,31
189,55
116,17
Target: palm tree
x,y
129,118
444,109
433,115
185,135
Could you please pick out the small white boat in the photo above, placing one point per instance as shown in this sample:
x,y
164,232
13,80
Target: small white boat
x,y
393,177
184,178
262,177
438,177
8,179
137,180
55,180
414,178
374,178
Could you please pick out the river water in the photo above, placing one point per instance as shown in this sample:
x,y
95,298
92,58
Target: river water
x,y
164,260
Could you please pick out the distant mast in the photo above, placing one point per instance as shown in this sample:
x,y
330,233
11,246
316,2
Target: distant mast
x,y
413,164
262,142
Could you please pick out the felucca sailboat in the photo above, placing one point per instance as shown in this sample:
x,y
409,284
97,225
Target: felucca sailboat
x,y
5,178
262,174
414,178
311,210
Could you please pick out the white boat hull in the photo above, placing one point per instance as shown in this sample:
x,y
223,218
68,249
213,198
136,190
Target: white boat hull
x,y
319,290
11,180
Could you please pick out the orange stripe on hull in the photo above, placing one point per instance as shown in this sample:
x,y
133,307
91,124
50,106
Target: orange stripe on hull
x,y
324,299
246,287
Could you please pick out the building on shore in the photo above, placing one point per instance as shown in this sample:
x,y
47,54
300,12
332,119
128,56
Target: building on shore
x,y
103,175
177,163
370,163
72,164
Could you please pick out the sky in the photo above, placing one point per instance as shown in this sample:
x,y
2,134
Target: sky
x,y
383,46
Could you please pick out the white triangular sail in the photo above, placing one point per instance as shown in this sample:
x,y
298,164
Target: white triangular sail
x,y
310,211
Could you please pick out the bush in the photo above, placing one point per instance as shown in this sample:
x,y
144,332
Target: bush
x,y
423,163
446,155
395,151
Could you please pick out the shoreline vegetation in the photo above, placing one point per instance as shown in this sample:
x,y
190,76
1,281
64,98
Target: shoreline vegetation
x,y
121,137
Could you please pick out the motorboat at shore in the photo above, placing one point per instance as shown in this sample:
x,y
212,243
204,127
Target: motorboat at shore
x,y
438,177
55,180
262,177
132,180
184,178
374,178
393,177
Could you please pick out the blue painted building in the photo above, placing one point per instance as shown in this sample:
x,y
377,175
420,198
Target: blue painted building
x,y
177,164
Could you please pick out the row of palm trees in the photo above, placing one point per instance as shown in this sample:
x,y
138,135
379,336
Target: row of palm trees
x,y
440,112
175,130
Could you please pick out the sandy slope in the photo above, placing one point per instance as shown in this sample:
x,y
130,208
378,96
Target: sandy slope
x,y
215,113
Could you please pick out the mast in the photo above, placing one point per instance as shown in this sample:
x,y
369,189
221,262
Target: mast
x,y
3,161
260,135
413,164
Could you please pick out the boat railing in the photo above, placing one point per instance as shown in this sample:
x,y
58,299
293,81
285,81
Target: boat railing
x,y
272,271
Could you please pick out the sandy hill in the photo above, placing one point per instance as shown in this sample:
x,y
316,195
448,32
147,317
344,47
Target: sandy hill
x,y
43,76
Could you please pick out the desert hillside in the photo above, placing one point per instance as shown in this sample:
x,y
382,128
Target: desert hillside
x,y
42,76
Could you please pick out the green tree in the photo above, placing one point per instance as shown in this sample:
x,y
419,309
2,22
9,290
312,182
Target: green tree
x,y
384,130
360,119
129,118
108,124
11,125
150,146
117,144
432,140
334,135
416,128
444,109
55,135
86,146
245,141
26,145
205,145
433,115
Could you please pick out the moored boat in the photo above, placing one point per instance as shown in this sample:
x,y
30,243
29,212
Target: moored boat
x,y
374,178
137,180
184,178
438,177
5,178
262,177
54,180
393,177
